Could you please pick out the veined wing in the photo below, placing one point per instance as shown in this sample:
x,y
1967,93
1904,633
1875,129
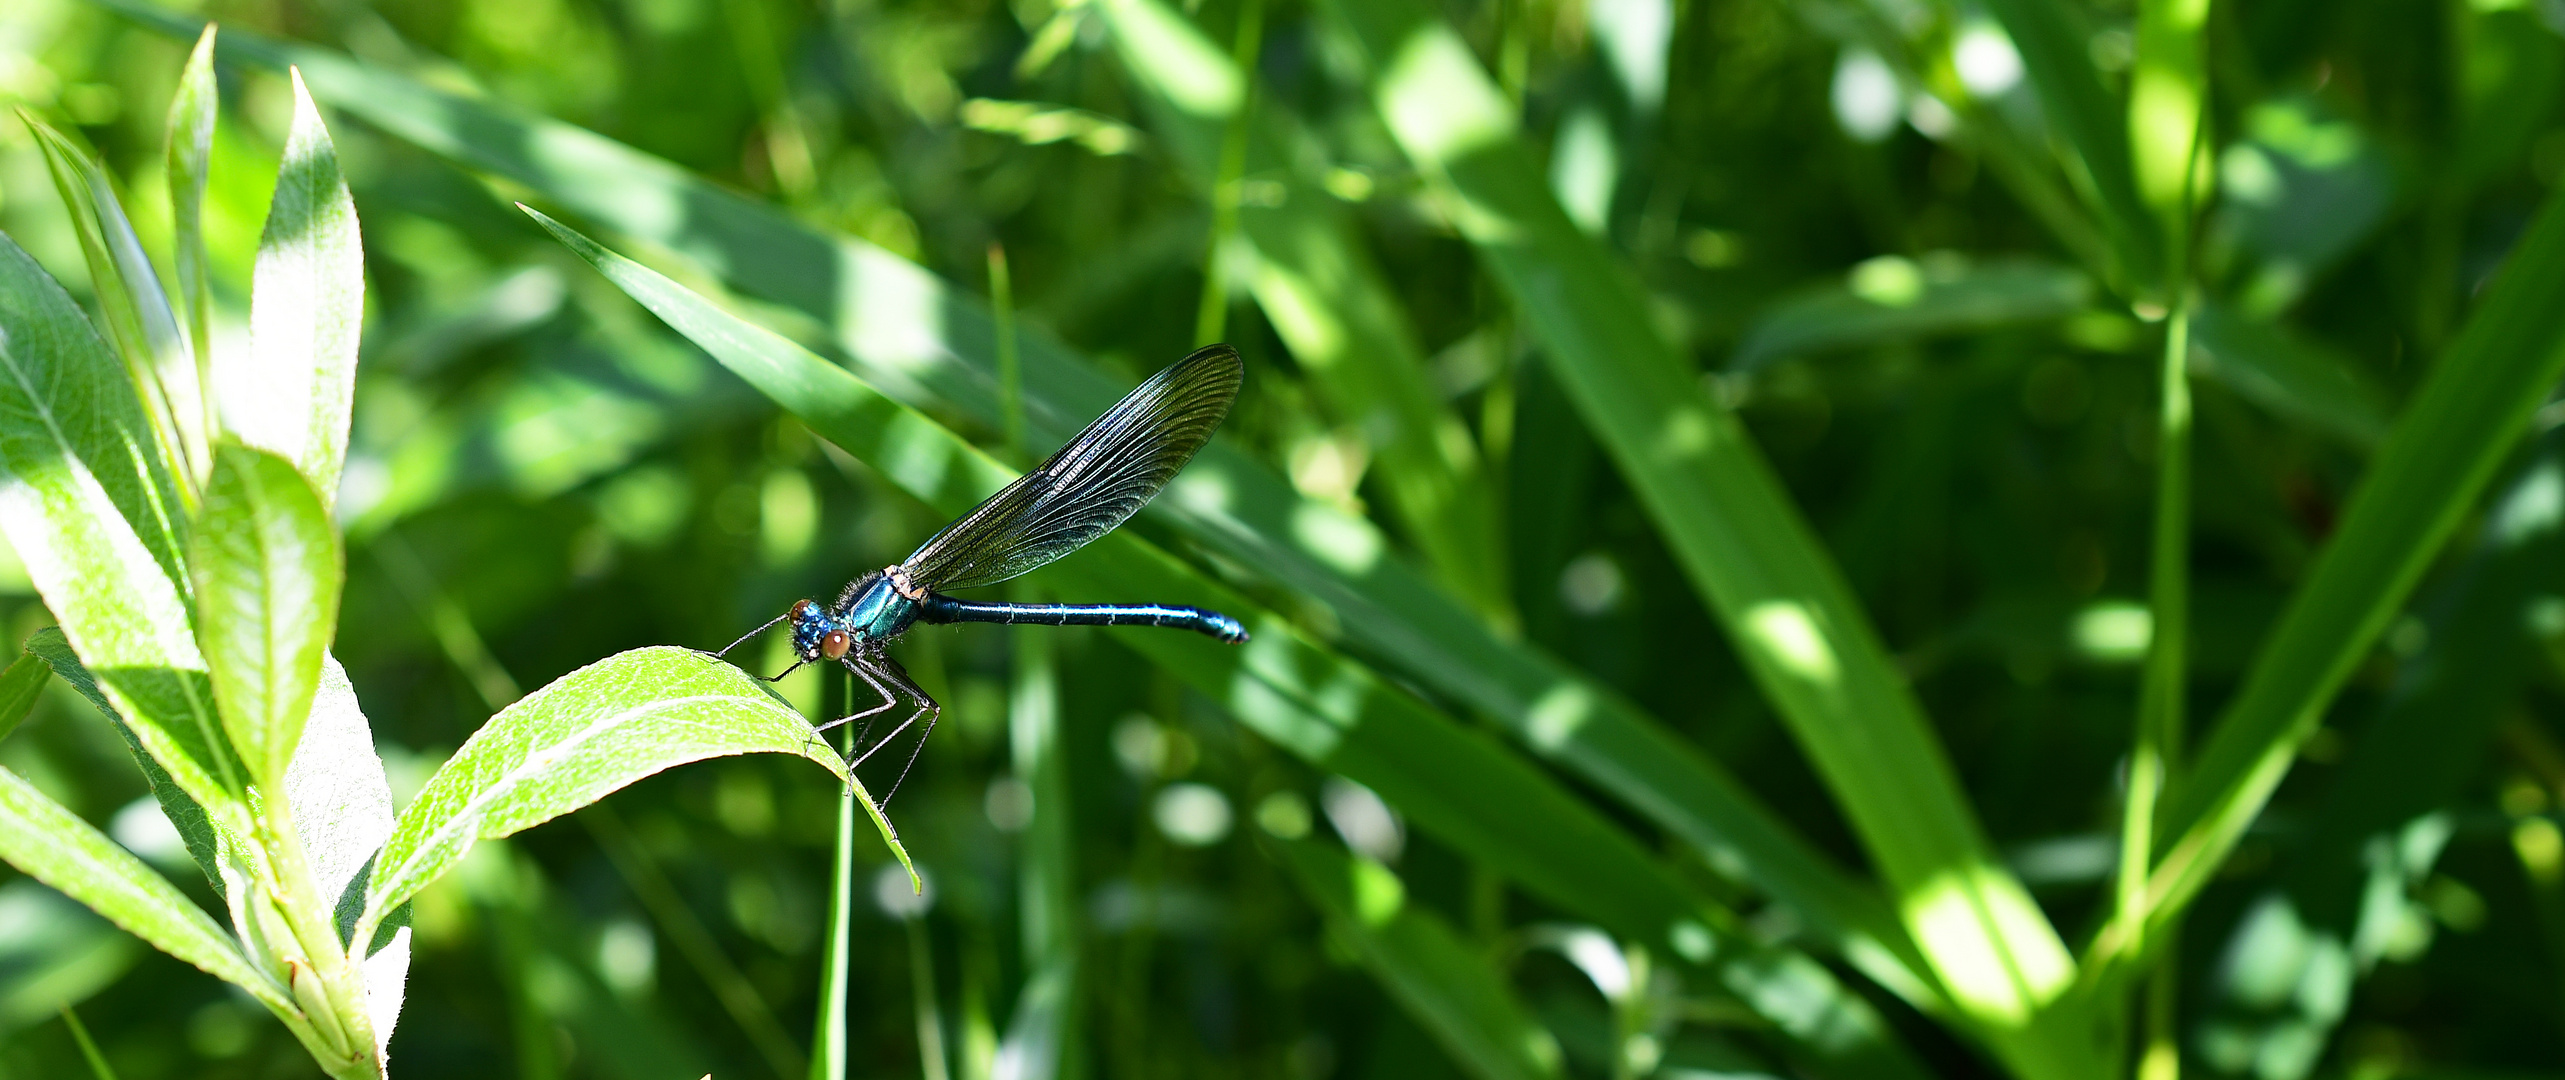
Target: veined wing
x,y
1091,485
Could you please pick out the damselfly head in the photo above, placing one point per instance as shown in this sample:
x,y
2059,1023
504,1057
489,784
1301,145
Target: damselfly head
x,y
816,635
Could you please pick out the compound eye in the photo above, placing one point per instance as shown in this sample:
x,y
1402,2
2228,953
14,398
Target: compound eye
x,y
834,644
801,608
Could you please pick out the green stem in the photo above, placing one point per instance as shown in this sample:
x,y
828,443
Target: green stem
x,y
2159,713
1211,319
828,1042
930,1017
88,1049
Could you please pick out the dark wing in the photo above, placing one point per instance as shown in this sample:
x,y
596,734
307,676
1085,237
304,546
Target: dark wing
x,y
1093,484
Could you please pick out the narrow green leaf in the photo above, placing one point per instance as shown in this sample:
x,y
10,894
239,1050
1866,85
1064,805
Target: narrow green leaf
x,y
2459,426
580,739
139,320
268,572
19,687
1443,982
191,151
52,845
95,516
292,391
1734,529
1323,294
1295,692
342,805
1892,298
924,342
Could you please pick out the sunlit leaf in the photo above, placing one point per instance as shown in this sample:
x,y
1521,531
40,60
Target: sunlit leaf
x,y
291,393
54,846
580,739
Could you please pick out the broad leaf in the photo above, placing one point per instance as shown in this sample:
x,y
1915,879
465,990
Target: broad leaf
x,y
580,739
54,846
1446,984
292,391
92,511
268,572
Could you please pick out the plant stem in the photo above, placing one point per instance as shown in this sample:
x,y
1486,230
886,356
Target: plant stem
x,y
930,1017
1010,373
828,1043
88,1049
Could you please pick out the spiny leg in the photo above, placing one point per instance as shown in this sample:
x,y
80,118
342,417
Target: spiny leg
x,y
935,712
743,639
869,680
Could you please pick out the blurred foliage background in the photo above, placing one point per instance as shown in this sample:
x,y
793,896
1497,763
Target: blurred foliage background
x,y
1828,207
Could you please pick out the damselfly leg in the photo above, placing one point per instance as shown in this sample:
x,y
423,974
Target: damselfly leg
x,y
926,706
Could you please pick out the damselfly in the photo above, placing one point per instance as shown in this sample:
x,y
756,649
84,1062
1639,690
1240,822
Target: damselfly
x,y
1081,492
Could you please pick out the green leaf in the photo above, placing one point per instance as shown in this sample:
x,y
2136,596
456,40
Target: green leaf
x,y
19,687
2466,417
1734,530
139,320
268,572
1893,298
292,391
1443,982
95,517
1295,692
191,150
52,845
580,739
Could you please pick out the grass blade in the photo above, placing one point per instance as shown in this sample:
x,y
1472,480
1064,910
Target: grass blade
x,y
268,572
1893,299
2442,451
292,391
2294,379
1732,527
2092,136
1444,983
578,740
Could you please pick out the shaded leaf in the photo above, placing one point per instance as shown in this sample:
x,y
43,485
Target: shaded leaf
x,y
20,685
1915,300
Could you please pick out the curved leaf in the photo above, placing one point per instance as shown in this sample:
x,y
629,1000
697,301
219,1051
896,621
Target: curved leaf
x,y
268,572
580,739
